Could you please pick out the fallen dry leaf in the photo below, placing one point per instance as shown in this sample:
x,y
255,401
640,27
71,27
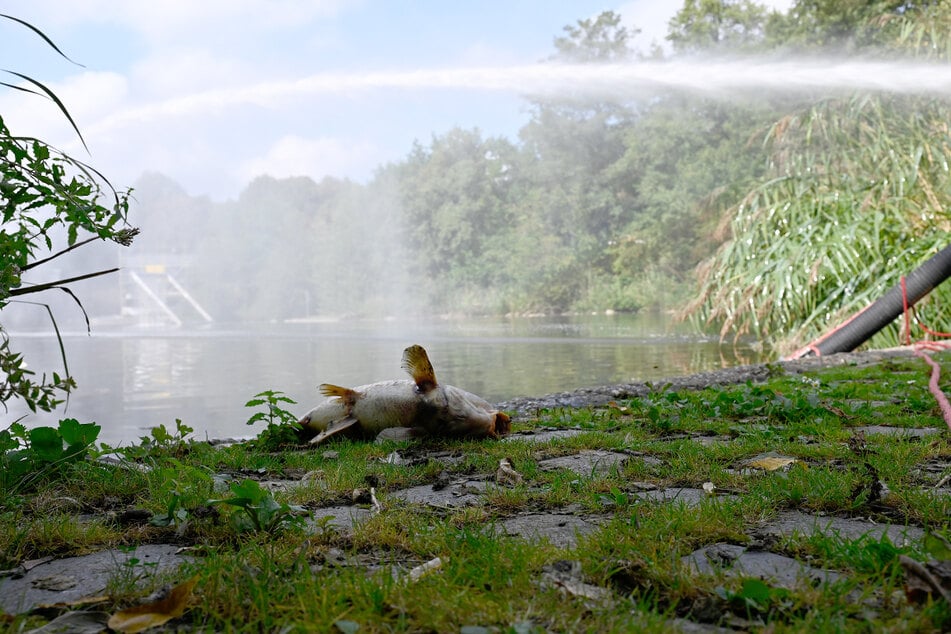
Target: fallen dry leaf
x,y
375,506
771,463
141,617
622,409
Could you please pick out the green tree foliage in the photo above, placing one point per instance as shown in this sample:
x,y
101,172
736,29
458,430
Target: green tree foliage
x,y
688,161
718,25
455,204
571,200
600,39
838,25
356,253
52,204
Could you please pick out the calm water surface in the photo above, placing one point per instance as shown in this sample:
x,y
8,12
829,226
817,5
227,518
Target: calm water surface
x,y
132,380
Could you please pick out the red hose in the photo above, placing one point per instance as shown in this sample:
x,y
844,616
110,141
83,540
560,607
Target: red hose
x,y
920,348
933,384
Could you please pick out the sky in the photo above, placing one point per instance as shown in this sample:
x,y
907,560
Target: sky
x,y
217,92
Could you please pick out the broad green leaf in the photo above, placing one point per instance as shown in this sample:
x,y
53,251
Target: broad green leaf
x,y
76,433
250,490
46,443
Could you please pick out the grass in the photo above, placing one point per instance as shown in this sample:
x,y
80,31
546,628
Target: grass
x,y
288,577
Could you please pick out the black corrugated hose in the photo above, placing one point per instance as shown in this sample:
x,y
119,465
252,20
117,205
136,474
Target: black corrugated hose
x,y
858,328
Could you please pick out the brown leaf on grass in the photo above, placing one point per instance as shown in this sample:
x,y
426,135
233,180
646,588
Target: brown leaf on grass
x,y
839,412
142,617
771,463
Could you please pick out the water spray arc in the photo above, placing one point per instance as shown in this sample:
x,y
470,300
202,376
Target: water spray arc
x,y
716,78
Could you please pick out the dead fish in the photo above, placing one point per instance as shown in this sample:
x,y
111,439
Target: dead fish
x,y
404,409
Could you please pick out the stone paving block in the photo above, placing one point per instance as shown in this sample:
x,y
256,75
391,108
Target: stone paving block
x,y
455,495
74,578
790,522
588,462
561,530
737,561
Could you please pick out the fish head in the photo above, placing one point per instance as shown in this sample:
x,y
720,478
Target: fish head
x,y
503,424
455,412
305,428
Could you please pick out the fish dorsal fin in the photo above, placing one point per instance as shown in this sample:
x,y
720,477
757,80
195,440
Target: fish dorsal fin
x,y
416,362
335,427
345,394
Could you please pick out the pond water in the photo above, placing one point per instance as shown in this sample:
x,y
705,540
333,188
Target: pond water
x,y
132,380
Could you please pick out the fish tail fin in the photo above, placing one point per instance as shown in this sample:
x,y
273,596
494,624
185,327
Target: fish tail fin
x,y
345,394
416,362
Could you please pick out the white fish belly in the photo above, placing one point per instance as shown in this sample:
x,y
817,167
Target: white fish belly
x,y
387,404
329,410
